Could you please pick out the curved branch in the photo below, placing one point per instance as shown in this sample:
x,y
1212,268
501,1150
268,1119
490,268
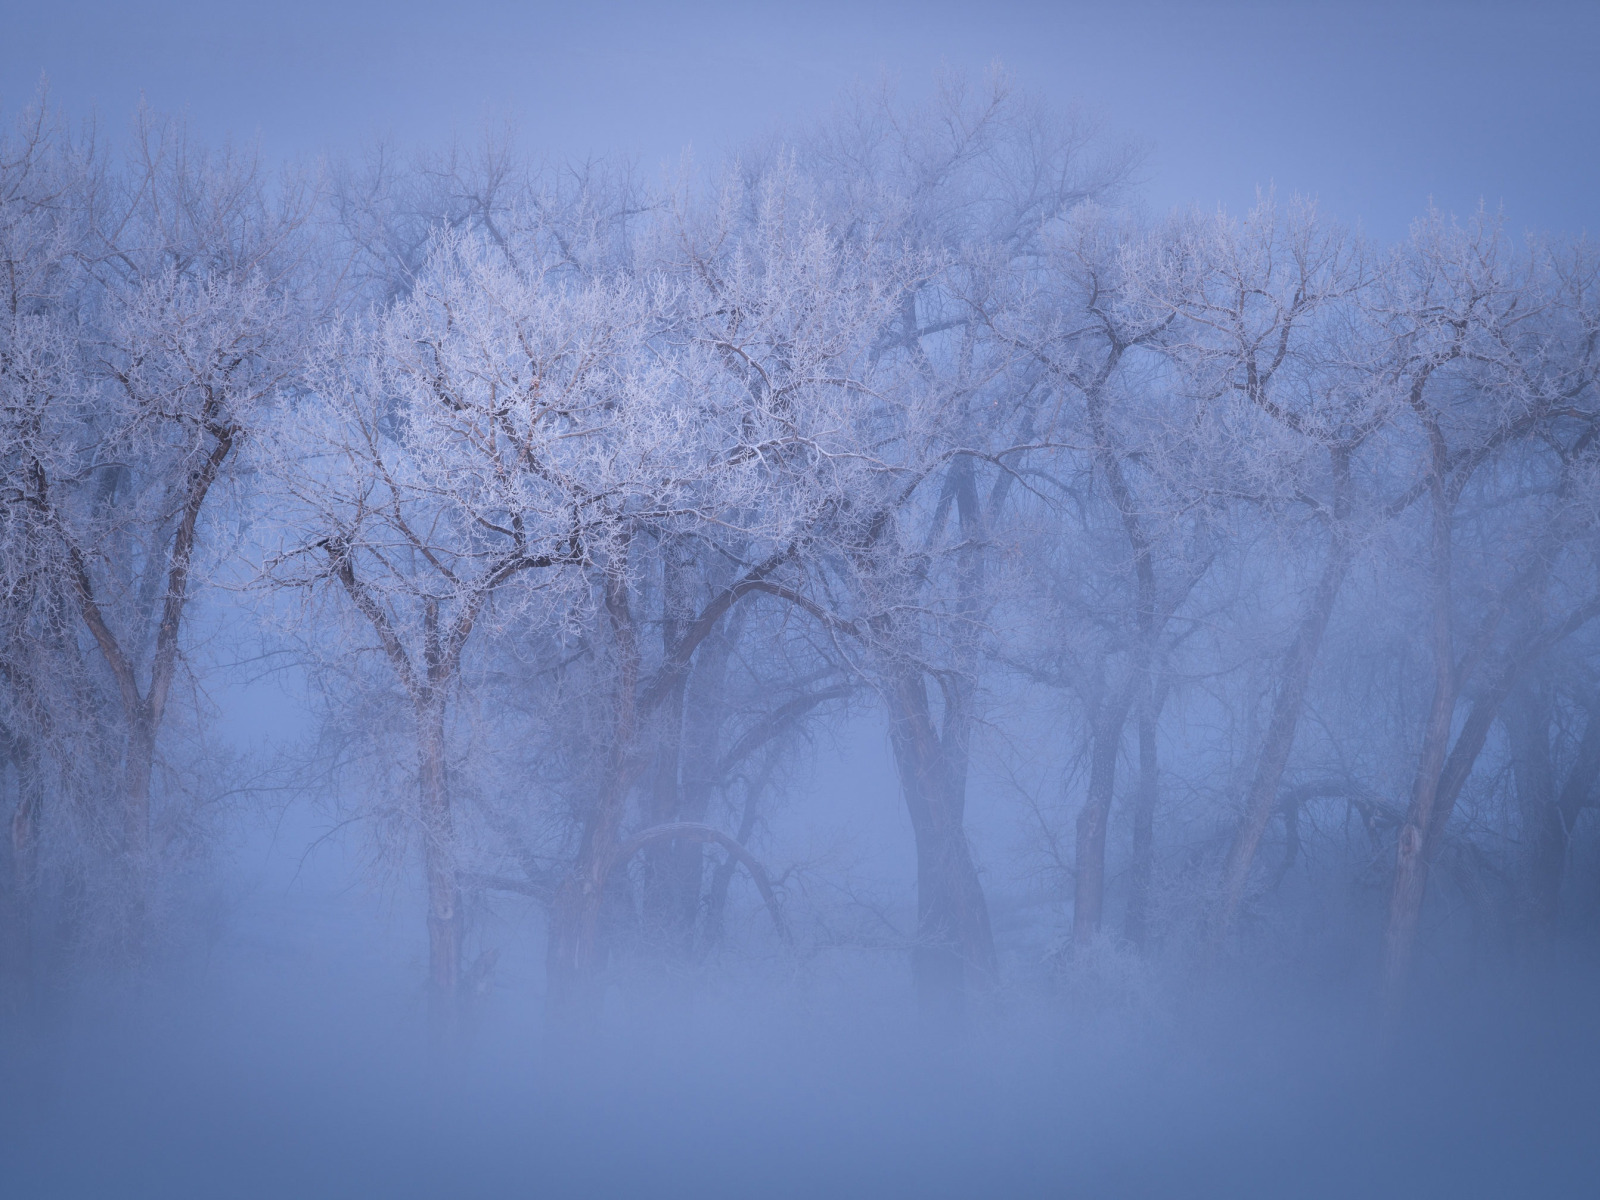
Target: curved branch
x,y
340,555
774,724
683,649
826,618
694,831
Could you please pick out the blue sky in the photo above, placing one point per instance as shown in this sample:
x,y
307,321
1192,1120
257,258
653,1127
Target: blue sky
x,y
1372,108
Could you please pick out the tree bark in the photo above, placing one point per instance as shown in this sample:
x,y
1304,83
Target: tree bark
x,y
25,818
663,895
573,953
16,906
441,867
1411,864
1436,794
1262,799
701,834
143,711
662,900
139,766
1548,815
1089,856
955,944
572,957
1089,853
705,715
1141,866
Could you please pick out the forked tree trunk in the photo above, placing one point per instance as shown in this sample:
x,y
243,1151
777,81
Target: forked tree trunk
x,y
143,710
1089,853
1548,853
1436,794
574,952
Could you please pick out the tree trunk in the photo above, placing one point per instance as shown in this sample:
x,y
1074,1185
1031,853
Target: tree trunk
x,y
138,769
16,906
439,859
1574,798
25,818
705,717
1411,847
661,900
1287,705
1142,866
1089,856
1437,793
955,944
574,953
1089,860
1547,815
1527,723
572,957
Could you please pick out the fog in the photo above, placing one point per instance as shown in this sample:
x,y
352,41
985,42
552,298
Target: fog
x,y
838,603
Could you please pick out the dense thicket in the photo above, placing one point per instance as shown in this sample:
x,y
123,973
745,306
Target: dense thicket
x,y
1269,551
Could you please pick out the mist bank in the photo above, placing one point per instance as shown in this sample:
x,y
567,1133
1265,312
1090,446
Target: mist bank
x,y
268,1093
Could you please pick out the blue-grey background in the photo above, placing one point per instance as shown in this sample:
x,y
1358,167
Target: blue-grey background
x,y
1372,107
280,1076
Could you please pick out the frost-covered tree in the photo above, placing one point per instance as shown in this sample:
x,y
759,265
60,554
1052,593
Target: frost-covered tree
x,y
458,460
